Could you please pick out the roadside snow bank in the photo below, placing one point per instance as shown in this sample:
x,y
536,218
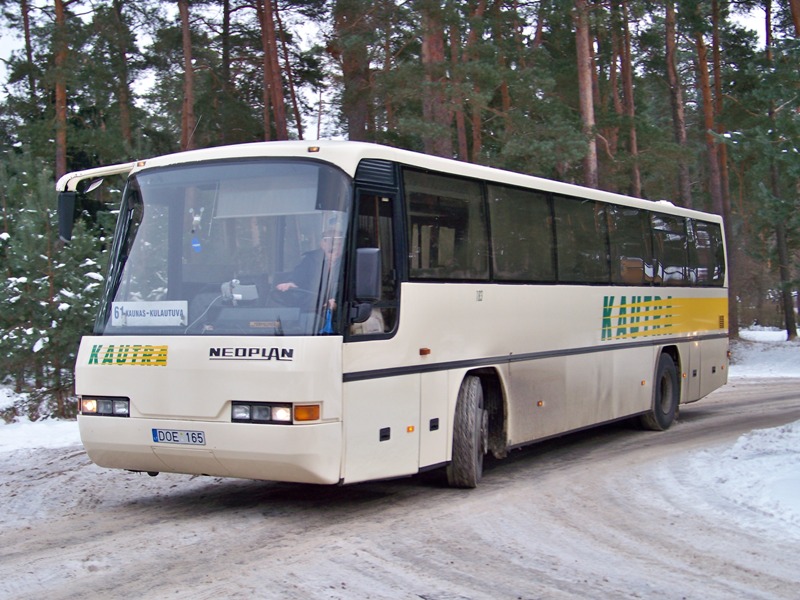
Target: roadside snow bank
x,y
764,352
759,472
38,434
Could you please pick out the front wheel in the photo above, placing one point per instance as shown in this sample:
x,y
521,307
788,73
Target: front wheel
x,y
666,395
470,436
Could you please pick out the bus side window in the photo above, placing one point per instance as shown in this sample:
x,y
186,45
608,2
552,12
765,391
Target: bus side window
x,y
630,244
522,235
448,237
698,246
671,251
582,241
374,229
718,276
706,253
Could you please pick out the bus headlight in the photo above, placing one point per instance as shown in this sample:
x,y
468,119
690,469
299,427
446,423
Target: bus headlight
x,y
261,412
105,406
240,412
282,414
274,413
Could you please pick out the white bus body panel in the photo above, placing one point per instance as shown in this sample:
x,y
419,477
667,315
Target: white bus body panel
x,y
545,344
191,386
559,370
381,418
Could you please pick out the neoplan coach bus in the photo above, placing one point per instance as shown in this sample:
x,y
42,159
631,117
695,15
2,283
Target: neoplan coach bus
x,y
340,312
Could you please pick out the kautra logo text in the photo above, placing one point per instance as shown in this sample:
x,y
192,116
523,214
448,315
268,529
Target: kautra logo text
x,y
636,316
128,354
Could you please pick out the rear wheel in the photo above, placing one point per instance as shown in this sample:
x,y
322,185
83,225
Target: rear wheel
x,y
470,435
666,395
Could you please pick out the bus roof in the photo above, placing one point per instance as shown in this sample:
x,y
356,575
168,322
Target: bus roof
x,y
347,155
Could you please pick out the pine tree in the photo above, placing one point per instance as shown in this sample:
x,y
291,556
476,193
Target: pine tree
x,y
50,293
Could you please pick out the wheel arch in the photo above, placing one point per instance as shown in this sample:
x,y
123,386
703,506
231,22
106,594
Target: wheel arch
x,y
666,391
675,354
495,402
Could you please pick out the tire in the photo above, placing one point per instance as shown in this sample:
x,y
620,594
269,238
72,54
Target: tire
x,y
470,436
666,395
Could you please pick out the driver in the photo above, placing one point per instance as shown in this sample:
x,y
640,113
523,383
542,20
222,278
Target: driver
x,y
316,266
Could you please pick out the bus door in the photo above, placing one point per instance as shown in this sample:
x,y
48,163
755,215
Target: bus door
x,y
374,228
380,413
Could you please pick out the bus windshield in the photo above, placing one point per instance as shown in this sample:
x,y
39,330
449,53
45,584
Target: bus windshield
x,y
248,247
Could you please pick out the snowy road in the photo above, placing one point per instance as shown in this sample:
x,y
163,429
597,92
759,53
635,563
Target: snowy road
x,y
611,513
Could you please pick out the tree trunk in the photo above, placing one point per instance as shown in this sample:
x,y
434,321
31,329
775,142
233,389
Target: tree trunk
x,y
352,28
272,73
188,121
225,70
476,17
437,138
715,180
630,105
266,69
506,101
26,27
678,114
781,238
289,76
784,270
612,133
458,96
391,121
225,67
704,81
722,149
61,53
794,7
476,127
538,35
581,18
123,85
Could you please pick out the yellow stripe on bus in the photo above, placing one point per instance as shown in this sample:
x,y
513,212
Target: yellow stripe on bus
x,y
661,316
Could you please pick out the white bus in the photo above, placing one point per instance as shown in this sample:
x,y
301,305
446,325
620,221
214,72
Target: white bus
x,y
340,312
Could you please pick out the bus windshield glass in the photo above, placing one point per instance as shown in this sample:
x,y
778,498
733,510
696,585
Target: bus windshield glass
x,y
248,247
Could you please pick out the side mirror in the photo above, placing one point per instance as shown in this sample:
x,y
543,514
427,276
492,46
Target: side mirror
x,y
368,274
66,212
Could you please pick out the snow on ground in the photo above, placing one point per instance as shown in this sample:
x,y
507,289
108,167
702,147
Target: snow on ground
x,y
764,352
759,471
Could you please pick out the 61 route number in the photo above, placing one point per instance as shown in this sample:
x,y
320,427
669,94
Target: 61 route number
x,y
179,436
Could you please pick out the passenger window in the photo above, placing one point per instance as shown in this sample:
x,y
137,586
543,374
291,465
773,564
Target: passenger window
x,y
706,253
630,243
447,233
582,241
522,235
670,249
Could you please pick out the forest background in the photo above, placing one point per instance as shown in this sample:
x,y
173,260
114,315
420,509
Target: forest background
x,y
670,99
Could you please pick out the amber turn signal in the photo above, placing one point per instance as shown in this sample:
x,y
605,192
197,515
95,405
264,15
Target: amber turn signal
x,y
306,412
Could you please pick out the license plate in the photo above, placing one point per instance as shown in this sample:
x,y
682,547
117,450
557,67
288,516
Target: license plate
x,y
179,436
